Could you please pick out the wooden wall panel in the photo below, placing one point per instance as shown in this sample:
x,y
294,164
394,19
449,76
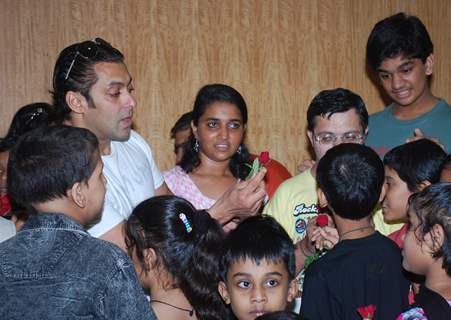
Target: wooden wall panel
x,y
278,54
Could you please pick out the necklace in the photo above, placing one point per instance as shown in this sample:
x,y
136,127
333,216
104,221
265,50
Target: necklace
x,y
190,312
354,230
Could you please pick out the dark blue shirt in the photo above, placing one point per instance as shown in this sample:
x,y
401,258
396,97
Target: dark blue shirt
x,y
356,273
53,269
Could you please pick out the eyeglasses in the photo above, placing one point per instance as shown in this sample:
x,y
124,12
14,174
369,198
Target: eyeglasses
x,y
348,137
87,50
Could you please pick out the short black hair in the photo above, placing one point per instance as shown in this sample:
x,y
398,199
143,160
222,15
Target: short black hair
x,y
398,34
432,206
182,123
48,161
338,100
416,162
75,72
27,118
258,238
351,177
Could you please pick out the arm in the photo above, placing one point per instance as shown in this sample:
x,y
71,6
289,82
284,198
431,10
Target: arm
x,y
163,190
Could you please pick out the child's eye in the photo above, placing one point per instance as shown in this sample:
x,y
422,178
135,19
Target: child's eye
x,y
406,70
244,284
384,76
272,283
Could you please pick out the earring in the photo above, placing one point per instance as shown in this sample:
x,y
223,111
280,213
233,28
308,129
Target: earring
x,y
196,146
239,150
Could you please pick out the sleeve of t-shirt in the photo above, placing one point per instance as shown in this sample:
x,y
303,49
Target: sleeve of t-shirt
x,y
277,208
124,297
158,179
315,299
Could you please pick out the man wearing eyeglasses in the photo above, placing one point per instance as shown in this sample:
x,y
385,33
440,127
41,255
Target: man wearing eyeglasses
x,y
333,117
92,89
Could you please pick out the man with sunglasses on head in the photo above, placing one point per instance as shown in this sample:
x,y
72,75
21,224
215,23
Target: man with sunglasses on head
x,y
92,89
333,117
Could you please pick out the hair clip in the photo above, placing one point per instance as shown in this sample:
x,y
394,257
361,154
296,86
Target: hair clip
x,y
185,221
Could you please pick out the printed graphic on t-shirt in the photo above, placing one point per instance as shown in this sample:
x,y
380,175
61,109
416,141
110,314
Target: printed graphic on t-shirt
x,y
302,214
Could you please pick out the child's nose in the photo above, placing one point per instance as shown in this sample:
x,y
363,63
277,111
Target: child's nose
x,y
258,295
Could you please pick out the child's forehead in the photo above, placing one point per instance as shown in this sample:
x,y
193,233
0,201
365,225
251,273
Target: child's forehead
x,y
257,266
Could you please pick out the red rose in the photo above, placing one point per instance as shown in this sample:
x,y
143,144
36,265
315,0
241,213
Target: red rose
x,y
367,312
322,220
264,157
5,204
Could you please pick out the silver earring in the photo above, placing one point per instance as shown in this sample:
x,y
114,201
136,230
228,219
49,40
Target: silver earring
x,y
239,150
196,146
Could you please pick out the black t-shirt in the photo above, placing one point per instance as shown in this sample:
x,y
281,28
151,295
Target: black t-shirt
x,y
356,273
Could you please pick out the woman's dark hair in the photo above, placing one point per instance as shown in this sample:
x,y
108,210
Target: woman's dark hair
x,y
27,118
432,206
206,96
188,247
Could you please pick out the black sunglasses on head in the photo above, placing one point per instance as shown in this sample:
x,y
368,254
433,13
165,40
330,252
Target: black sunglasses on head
x,y
87,50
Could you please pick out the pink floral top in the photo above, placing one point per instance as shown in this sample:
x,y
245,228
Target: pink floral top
x,y
180,184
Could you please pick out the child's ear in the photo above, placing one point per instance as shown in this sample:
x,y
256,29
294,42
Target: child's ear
x,y
322,201
150,257
383,192
222,288
76,193
292,290
435,237
429,64
423,184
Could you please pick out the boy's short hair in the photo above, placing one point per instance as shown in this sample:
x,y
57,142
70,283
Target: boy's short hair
x,y
258,238
351,177
398,34
48,161
415,162
339,100
432,206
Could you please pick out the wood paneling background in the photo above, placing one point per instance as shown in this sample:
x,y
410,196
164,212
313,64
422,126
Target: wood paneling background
x,y
278,54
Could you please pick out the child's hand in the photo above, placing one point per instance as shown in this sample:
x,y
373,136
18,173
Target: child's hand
x,y
326,237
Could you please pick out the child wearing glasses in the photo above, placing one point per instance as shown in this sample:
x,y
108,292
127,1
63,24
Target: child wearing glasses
x,y
176,249
364,267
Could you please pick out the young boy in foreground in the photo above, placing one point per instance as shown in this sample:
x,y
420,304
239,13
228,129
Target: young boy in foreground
x,y
257,268
52,268
364,268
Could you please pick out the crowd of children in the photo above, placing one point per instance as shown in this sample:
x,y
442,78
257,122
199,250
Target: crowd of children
x,y
170,260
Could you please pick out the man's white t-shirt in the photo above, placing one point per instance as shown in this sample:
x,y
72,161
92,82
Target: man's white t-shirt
x,y
132,176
